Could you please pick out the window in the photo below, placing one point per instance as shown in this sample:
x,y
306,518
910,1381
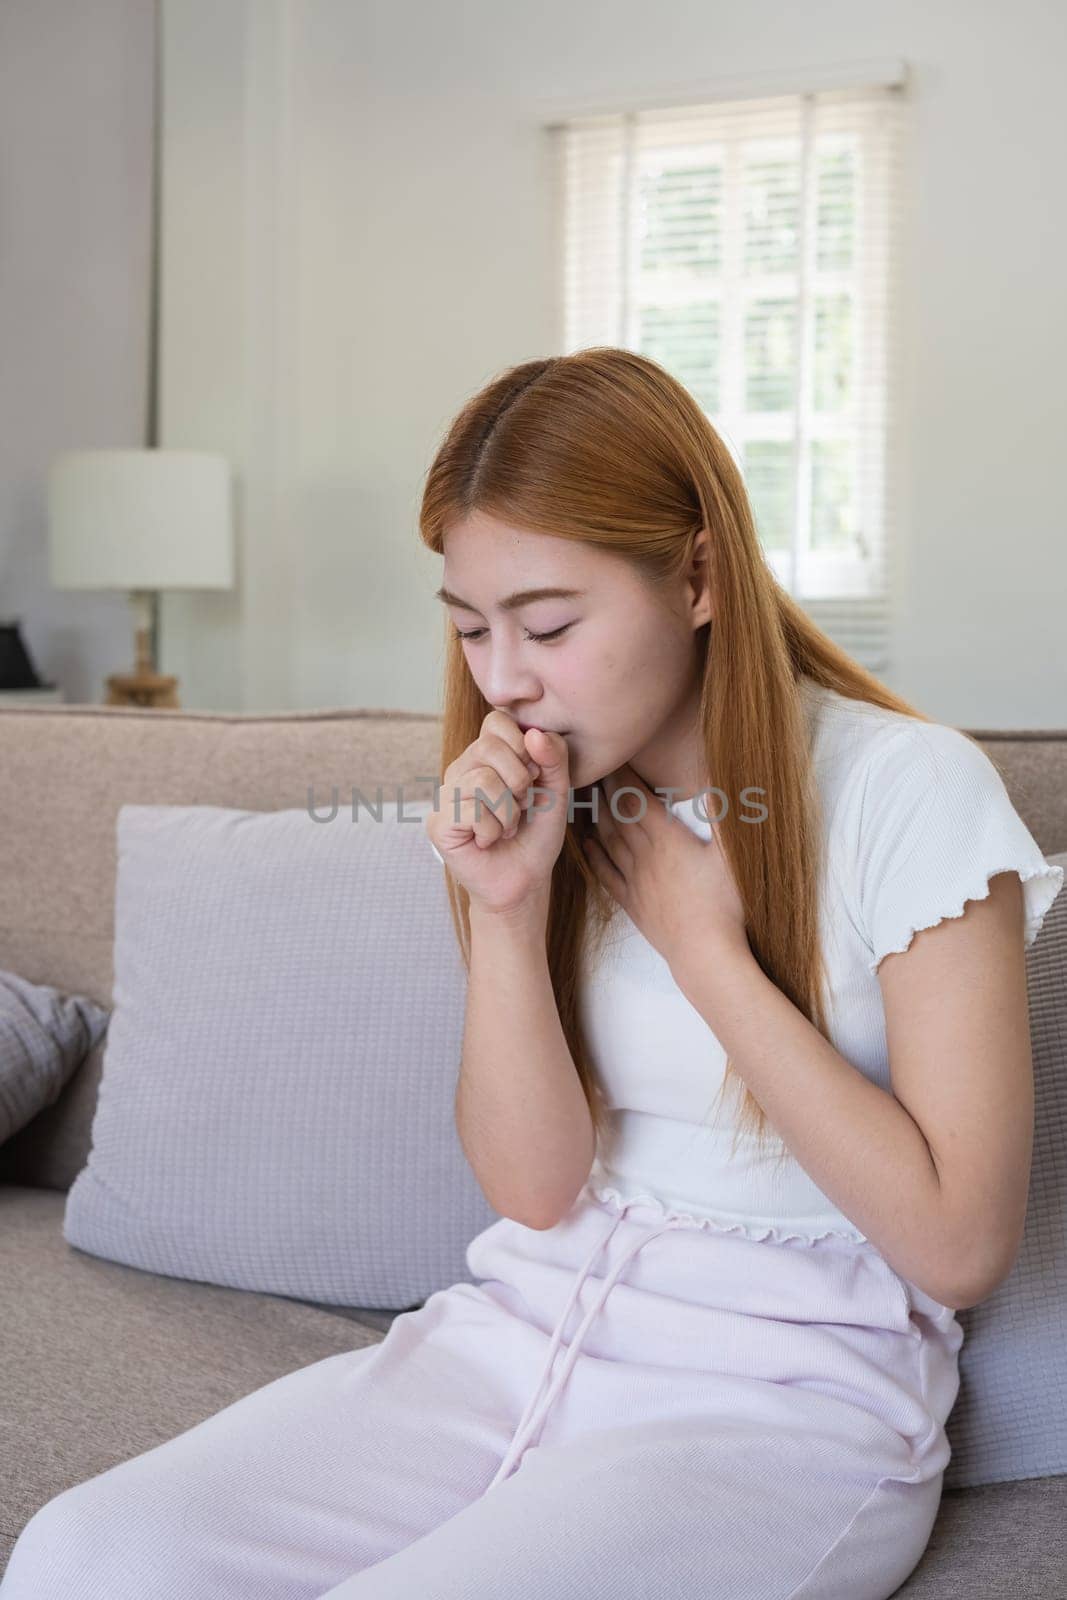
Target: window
x,y
748,246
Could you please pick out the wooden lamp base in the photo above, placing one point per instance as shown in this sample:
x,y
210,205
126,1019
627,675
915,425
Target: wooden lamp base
x,y
150,689
144,686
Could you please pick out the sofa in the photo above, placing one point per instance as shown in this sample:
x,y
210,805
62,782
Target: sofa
x,y
190,1348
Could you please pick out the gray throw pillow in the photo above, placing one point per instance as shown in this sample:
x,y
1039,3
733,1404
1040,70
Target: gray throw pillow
x,y
45,1036
1010,1417
276,1110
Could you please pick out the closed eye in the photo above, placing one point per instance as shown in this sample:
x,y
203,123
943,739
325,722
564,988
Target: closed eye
x,y
538,638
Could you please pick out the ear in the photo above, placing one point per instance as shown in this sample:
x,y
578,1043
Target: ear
x,y
699,582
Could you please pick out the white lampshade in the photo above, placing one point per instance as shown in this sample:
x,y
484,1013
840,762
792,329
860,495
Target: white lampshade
x,y
140,519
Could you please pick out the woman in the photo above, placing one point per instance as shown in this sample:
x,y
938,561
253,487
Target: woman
x,y
712,1346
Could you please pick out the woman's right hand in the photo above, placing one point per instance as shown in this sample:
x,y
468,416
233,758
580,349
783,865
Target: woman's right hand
x,y
503,860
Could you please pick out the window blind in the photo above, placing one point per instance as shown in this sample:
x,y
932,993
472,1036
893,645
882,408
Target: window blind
x,y
749,246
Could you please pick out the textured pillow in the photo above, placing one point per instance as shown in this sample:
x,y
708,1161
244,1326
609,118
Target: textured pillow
x,y
276,1110
44,1038
1010,1417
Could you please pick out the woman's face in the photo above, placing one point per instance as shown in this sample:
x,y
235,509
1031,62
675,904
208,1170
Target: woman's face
x,y
621,678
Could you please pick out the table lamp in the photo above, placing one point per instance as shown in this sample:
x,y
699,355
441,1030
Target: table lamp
x,y
142,521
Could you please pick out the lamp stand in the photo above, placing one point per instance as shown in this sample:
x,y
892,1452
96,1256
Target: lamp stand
x,y
144,686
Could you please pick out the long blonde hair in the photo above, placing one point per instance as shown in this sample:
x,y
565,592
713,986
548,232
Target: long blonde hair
x,y
606,447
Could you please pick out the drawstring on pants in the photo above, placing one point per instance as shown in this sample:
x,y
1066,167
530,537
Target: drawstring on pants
x,y
533,1417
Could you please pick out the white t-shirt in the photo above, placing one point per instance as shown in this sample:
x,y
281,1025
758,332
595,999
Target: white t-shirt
x,y
916,820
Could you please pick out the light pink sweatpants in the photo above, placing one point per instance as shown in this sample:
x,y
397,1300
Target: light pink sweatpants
x,y
725,1419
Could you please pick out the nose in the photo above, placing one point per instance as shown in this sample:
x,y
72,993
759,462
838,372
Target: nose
x,y
508,679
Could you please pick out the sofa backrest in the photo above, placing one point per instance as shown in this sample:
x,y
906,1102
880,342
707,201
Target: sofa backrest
x,y
66,770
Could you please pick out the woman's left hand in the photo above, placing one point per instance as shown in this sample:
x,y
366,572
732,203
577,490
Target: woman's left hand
x,y
676,888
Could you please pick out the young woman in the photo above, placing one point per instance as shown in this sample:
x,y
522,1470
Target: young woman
x,y
692,847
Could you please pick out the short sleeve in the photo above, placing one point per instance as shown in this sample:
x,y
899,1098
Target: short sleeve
x,y
935,823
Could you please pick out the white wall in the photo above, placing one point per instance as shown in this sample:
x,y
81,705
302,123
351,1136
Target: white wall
x,y
357,235
76,93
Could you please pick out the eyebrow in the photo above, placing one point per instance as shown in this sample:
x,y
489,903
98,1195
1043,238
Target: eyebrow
x,y
512,602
